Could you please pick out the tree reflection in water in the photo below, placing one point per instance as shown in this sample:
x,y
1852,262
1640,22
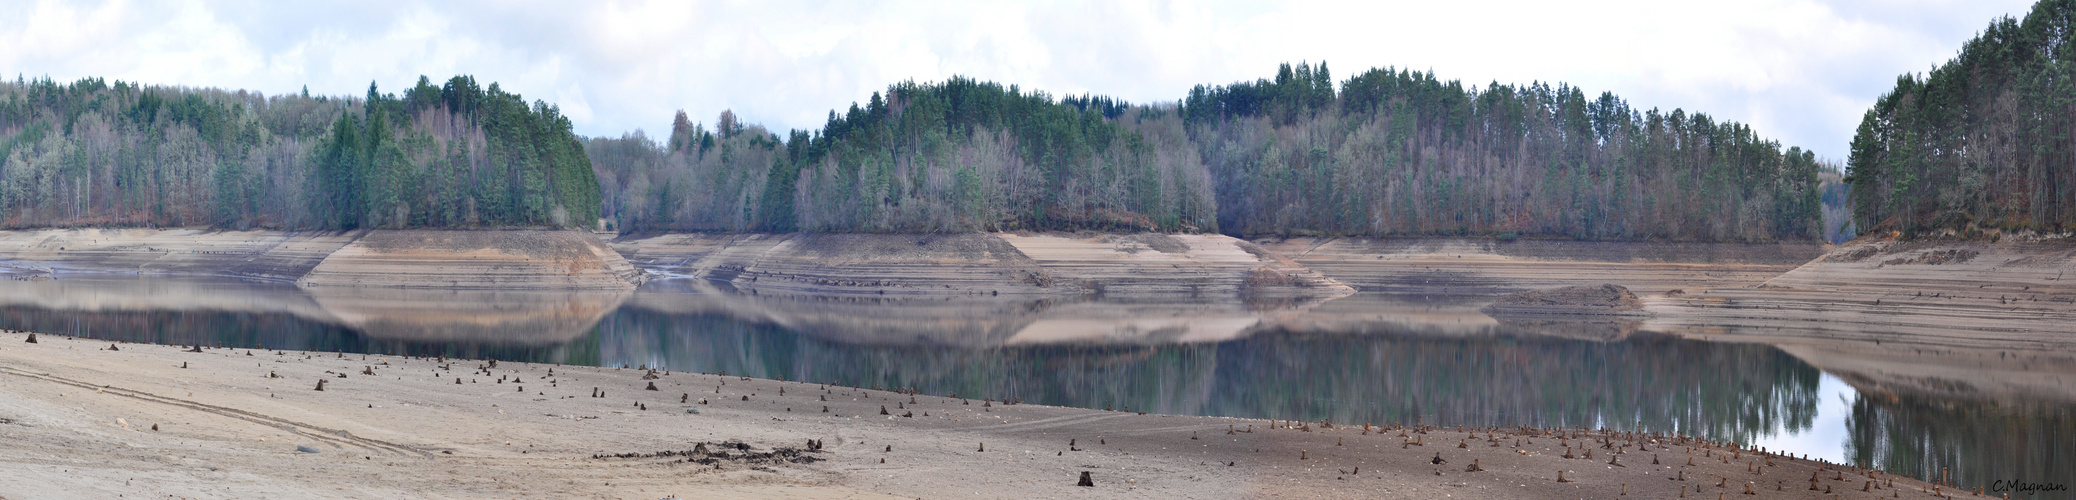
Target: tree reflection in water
x,y
1978,443
1647,382
1480,377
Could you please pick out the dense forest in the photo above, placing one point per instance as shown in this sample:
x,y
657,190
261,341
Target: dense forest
x,y
957,156
1984,142
1386,153
1398,152
91,153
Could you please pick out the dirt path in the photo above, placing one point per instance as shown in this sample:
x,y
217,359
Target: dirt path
x,y
78,419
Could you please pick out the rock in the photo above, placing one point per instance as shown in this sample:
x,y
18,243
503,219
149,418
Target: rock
x,y
306,449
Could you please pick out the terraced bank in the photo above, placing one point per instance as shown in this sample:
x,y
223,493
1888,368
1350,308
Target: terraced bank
x,y
1135,266
487,259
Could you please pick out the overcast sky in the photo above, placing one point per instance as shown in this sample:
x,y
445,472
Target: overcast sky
x,y
1801,71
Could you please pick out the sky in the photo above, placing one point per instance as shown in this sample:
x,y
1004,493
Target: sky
x,y
1799,71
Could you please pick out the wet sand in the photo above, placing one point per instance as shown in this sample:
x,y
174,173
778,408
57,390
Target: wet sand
x,y
77,422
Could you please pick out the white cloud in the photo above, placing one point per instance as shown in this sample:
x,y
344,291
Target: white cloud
x,y
1799,70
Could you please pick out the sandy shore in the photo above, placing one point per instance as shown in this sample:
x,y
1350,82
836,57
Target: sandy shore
x,y
79,420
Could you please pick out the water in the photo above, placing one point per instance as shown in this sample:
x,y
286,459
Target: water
x,y
1366,359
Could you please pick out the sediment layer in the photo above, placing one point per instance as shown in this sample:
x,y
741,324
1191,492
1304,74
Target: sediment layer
x,y
262,255
1117,266
1941,293
1485,266
1184,265
501,259
878,264
504,260
1969,319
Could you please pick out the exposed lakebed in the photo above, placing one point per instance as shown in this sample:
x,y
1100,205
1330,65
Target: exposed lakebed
x,y
1366,358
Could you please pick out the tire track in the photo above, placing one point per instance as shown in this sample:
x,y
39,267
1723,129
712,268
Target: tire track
x,y
330,436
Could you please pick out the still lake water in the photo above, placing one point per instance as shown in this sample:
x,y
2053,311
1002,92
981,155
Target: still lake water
x,y
1368,358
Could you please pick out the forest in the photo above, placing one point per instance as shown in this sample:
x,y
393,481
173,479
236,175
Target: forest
x,y
1386,153
1398,152
962,155
92,153
1983,143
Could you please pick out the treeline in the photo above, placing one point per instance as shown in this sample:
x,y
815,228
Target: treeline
x,y
1387,153
1984,142
91,153
961,155
1403,153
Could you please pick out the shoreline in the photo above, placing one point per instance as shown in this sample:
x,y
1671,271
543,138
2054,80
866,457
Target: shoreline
x,y
225,428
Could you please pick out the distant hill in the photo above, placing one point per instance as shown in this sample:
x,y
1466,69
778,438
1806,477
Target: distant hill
x,y
91,153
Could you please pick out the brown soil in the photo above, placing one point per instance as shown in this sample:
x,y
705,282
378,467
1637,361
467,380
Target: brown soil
x,y
262,255
1191,266
1188,267
1600,299
504,260
1969,320
514,259
868,264
1481,267
148,420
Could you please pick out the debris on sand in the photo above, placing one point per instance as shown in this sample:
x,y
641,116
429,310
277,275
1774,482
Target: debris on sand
x,y
1595,299
731,451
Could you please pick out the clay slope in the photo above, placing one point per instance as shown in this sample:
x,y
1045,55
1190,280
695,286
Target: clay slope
x,y
1963,319
1483,266
2021,295
264,255
1182,265
507,260
1145,266
876,264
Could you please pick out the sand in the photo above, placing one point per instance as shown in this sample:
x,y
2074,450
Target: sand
x,y
78,419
